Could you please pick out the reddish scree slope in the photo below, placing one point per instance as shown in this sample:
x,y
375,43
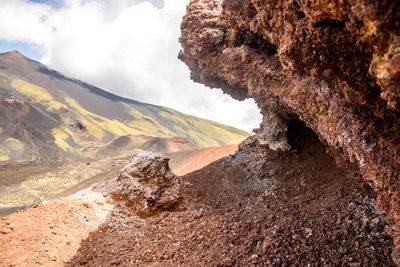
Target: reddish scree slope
x,y
204,157
303,210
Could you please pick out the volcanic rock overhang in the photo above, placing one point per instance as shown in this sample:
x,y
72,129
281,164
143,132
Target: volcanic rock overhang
x,y
333,64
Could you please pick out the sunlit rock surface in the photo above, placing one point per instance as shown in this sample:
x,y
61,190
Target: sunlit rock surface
x,y
146,185
333,64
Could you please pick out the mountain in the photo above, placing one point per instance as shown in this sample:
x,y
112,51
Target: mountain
x,y
57,132
45,116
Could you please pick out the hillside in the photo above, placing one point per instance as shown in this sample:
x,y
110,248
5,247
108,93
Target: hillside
x,y
231,213
45,116
57,132
317,185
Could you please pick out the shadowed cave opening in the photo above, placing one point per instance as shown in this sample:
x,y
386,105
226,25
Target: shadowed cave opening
x,y
302,138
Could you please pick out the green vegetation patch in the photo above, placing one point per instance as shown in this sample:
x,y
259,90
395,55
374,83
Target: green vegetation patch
x,y
37,94
4,154
43,187
166,122
71,142
203,132
98,125
14,144
97,130
61,135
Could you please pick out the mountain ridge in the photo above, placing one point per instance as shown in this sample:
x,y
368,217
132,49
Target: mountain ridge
x,y
39,104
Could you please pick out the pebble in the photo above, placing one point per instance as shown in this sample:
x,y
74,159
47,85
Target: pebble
x,y
309,232
83,261
198,214
375,221
5,231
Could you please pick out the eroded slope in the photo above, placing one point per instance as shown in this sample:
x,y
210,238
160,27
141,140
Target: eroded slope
x,y
257,207
302,210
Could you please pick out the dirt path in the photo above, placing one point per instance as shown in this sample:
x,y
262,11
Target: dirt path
x,y
50,234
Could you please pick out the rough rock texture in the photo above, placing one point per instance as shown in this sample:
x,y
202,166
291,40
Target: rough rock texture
x,y
333,64
146,185
304,211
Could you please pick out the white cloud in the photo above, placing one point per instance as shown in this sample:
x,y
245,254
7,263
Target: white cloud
x,y
128,47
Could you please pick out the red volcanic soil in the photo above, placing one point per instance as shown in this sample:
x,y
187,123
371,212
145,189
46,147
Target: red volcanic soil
x,y
255,208
14,108
168,145
50,234
204,157
175,144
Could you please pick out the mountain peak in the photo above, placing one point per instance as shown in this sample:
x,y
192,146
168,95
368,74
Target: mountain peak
x,y
14,54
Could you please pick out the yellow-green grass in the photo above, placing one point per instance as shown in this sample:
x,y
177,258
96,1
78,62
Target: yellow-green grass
x,y
14,144
85,149
99,130
97,125
44,186
5,78
203,132
37,94
147,124
61,135
4,154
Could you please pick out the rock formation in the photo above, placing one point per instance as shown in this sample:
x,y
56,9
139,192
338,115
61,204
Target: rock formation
x,y
333,64
146,185
256,208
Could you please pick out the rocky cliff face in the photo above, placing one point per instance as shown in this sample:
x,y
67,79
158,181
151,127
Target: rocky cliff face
x,y
333,64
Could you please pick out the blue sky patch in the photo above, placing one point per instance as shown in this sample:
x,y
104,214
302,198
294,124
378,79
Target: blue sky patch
x,y
26,49
52,3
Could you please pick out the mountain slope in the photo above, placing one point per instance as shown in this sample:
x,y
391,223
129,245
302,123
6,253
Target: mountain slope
x,y
47,116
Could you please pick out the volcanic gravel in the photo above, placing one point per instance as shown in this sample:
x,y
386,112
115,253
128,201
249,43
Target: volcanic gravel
x,y
255,208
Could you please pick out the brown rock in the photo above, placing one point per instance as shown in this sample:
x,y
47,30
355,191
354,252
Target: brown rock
x,y
331,64
197,214
146,185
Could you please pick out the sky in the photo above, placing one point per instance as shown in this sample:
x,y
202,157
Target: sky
x,y
127,47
